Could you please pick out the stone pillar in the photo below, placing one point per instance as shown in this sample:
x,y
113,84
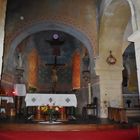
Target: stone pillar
x,y
2,24
135,37
110,82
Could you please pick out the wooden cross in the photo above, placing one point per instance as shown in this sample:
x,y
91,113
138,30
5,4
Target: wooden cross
x,y
55,42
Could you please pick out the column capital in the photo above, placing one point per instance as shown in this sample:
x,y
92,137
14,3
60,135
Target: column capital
x,y
135,37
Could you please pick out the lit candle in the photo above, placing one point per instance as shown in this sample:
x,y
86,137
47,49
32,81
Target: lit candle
x,y
89,93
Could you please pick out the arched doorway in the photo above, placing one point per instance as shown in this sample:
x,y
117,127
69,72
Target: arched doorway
x,y
130,82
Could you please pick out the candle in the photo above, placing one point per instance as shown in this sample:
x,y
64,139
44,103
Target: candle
x,y
89,93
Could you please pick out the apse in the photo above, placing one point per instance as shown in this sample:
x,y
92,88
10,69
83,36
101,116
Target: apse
x,y
50,61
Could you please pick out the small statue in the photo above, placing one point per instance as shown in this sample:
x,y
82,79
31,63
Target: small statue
x,y
20,62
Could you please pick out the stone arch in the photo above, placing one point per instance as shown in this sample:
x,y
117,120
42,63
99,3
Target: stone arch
x,y
112,35
133,16
107,3
49,25
128,31
114,20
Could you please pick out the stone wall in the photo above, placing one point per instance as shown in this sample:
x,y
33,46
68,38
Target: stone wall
x,y
21,15
78,14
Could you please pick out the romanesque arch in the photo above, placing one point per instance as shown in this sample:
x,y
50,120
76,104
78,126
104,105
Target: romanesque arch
x,y
44,26
113,22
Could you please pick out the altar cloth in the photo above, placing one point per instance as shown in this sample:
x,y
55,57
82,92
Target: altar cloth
x,y
9,99
64,100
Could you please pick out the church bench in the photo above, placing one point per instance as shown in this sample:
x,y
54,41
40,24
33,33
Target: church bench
x,y
117,114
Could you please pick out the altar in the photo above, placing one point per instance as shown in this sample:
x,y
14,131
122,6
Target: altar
x,y
60,100
38,99
8,99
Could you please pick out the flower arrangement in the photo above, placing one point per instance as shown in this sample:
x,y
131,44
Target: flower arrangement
x,y
51,111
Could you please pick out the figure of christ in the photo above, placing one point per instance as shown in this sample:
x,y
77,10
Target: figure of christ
x,y
54,78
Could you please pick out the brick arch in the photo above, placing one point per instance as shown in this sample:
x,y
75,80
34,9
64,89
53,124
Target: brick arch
x,y
49,25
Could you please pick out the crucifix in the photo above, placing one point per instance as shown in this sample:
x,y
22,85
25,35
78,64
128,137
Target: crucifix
x,y
55,42
54,76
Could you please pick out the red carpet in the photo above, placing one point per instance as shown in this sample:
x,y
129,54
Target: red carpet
x,y
125,134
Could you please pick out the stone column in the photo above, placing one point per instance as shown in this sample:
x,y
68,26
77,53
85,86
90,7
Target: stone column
x,y
110,82
2,24
135,37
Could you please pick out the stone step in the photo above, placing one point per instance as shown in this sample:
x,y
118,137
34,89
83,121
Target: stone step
x,y
133,112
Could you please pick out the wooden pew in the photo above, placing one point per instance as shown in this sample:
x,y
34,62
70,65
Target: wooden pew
x,y
117,114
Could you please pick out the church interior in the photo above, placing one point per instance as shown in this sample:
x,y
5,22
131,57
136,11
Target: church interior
x,y
70,65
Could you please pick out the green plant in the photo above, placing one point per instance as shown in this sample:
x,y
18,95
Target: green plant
x,y
32,89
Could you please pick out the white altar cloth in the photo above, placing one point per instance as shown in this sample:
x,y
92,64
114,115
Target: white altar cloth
x,y
9,99
37,99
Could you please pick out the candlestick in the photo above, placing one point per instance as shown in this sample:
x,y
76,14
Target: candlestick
x,y
89,93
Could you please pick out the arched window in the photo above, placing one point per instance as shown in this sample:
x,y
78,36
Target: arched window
x,y
76,71
125,77
33,68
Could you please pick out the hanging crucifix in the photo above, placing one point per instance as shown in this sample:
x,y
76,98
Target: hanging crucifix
x,y
55,42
